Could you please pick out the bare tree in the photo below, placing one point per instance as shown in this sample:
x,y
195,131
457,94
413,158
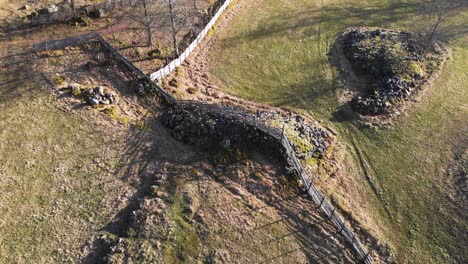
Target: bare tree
x,y
174,32
146,20
175,28
436,11
73,8
147,23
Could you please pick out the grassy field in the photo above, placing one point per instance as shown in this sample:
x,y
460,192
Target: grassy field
x,y
51,183
55,170
275,52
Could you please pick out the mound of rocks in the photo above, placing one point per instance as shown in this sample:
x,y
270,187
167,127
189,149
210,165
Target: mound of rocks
x,y
98,95
395,61
211,128
315,139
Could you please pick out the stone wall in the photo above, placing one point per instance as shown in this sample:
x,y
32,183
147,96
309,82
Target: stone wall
x,y
212,129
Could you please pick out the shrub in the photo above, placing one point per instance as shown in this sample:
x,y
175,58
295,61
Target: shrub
x,y
58,80
191,90
83,21
174,82
154,53
113,113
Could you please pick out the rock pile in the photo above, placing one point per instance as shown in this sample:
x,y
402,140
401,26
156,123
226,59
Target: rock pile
x,y
211,128
315,140
393,59
98,95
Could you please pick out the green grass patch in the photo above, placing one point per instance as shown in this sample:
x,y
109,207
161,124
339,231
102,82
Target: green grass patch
x,y
184,245
276,52
51,189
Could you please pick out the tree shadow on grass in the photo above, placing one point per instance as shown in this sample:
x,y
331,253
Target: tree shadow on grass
x,y
149,155
341,16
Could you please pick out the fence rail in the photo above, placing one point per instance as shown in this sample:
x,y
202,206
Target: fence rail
x,y
160,91
158,75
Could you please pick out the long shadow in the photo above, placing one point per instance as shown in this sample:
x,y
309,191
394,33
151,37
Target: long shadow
x,y
145,158
305,222
306,20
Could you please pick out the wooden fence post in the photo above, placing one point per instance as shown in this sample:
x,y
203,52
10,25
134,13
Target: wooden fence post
x,y
332,213
342,226
364,260
321,202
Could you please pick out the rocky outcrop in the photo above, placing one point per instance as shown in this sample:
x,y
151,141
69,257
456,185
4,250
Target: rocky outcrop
x,y
306,140
98,95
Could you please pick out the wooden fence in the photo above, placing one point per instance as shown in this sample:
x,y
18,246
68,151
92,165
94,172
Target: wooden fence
x,y
158,75
287,151
167,98
286,147
320,200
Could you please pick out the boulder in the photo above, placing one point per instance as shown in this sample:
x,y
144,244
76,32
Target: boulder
x,y
96,13
93,101
225,143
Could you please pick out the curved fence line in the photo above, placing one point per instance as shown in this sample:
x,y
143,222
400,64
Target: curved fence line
x,y
286,147
287,151
158,75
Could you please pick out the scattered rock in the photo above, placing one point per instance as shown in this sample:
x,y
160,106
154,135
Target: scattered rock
x,y
225,143
25,7
93,96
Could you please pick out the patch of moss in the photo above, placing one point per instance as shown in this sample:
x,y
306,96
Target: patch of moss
x,y
185,245
303,144
114,113
77,91
83,21
53,53
154,53
415,69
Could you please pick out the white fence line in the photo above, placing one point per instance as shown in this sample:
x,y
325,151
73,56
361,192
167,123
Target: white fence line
x,y
158,75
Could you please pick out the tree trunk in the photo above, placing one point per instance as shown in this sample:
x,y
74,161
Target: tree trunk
x,y
73,8
150,36
147,24
174,31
